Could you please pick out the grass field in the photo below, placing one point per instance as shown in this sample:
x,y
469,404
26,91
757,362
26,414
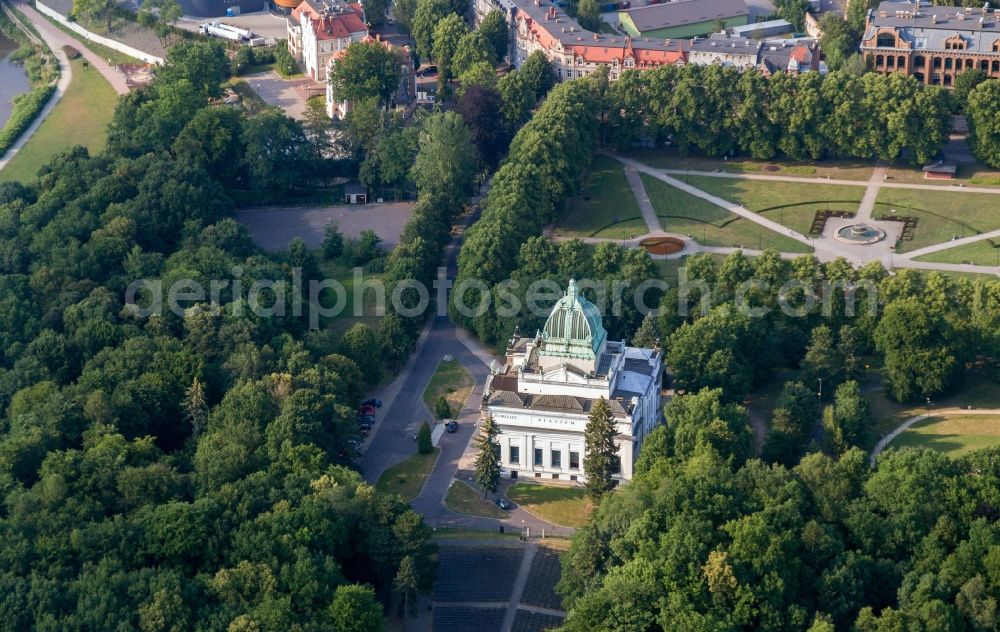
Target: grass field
x,y
607,207
941,215
451,381
711,225
672,159
80,118
953,435
562,506
976,390
464,500
789,203
981,253
972,175
406,478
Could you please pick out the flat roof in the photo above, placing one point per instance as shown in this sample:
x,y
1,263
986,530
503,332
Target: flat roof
x,y
658,16
926,16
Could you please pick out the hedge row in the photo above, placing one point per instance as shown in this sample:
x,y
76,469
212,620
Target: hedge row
x,y
26,108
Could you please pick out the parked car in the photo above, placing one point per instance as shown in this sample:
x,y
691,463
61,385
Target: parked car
x,y
377,403
451,426
367,410
427,71
503,504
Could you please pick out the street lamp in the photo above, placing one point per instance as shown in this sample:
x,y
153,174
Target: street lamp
x,y
819,395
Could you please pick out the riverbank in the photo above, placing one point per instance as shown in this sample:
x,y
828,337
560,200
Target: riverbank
x,y
43,71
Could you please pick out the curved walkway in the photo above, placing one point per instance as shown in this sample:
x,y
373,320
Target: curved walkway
x,y
901,428
55,40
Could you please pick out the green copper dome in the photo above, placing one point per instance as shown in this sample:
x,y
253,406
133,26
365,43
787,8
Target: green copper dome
x,y
574,328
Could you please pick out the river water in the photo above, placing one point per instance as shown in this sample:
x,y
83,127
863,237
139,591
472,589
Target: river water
x,y
13,79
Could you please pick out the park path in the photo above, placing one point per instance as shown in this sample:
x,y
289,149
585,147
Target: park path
x,y
642,197
875,183
884,442
708,197
947,245
56,39
824,249
953,188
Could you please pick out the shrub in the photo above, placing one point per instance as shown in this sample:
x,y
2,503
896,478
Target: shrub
x,y
71,52
441,408
26,108
333,241
424,444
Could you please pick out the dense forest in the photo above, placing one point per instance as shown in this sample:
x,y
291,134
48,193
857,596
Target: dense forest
x,y
190,471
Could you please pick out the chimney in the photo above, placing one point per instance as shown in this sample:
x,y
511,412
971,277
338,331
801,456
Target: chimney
x,y
596,37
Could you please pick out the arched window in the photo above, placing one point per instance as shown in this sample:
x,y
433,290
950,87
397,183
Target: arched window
x,y
879,60
886,40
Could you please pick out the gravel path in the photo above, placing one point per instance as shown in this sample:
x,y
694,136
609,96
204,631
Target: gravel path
x,y
272,229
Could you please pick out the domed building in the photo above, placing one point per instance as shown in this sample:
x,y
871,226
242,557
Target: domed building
x,y
542,397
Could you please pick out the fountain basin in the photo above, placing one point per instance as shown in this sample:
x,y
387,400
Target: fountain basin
x,y
860,234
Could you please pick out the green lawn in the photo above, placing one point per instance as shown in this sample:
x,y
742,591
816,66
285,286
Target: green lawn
x,y
789,203
368,313
607,207
80,118
941,215
406,478
976,390
953,435
837,169
711,225
972,175
560,505
981,253
451,381
464,500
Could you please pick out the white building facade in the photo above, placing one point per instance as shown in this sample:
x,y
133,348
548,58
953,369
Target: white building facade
x,y
542,397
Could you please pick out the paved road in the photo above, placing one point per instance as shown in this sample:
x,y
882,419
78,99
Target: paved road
x,y
272,229
392,436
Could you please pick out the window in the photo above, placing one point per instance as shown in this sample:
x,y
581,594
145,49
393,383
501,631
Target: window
x,y
616,465
515,455
574,460
919,62
886,40
538,456
556,458
947,64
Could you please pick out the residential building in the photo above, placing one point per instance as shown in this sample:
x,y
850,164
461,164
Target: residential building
x,y
793,56
318,29
542,397
406,92
935,44
575,52
684,18
724,50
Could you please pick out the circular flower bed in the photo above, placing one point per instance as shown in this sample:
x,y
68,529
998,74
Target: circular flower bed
x,y
662,245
